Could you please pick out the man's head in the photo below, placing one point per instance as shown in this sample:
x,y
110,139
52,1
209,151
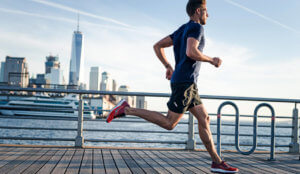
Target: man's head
x,y
197,9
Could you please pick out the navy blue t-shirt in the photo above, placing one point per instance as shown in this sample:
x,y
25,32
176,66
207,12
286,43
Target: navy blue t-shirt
x,y
186,69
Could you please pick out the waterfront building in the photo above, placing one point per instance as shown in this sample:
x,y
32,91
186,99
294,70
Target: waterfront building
x,y
114,85
76,75
51,62
102,104
141,103
94,78
129,99
55,77
16,71
53,73
106,82
2,72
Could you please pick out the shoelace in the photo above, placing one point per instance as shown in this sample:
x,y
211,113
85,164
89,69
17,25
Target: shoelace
x,y
225,165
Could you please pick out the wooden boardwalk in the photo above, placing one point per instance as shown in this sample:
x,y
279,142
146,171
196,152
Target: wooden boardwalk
x,y
55,160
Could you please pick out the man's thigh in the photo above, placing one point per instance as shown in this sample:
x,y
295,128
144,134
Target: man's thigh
x,y
199,112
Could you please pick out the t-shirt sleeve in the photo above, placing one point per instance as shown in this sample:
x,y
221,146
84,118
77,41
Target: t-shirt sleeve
x,y
195,31
172,35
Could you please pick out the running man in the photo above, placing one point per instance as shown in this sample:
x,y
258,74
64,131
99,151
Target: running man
x,y
188,43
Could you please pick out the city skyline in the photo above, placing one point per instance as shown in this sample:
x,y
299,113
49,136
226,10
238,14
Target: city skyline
x,y
257,40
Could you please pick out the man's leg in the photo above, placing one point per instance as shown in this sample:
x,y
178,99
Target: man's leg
x,y
167,122
204,131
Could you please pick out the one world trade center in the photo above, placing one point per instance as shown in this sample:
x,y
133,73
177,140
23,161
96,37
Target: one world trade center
x,y
77,59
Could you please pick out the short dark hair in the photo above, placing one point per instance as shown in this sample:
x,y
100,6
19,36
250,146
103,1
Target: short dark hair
x,y
192,6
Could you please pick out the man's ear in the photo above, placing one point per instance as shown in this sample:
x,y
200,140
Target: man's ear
x,y
198,11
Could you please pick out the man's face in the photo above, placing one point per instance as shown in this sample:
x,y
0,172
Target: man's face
x,y
203,14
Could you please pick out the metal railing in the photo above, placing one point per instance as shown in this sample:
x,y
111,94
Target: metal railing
x,y
190,142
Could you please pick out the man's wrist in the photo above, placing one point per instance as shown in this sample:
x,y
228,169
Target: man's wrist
x,y
167,65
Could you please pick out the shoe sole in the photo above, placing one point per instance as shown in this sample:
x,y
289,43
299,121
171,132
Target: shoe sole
x,y
221,171
113,109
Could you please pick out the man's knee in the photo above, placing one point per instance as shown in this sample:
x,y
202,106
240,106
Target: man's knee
x,y
172,120
170,126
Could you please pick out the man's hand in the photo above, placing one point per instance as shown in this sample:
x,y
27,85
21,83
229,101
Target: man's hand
x,y
216,61
169,72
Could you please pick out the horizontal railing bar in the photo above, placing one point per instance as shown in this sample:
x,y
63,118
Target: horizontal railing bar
x,y
129,131
41,118
250,135
250,125
123,121
125,141
259,116
134,141
38,128
262,145
39,108
13,88
90,130
38,139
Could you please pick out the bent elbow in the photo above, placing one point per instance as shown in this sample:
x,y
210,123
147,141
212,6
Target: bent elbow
x,y
189,53
156,46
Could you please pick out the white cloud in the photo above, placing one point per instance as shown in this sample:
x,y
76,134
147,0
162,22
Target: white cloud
x,y
77,11
263,16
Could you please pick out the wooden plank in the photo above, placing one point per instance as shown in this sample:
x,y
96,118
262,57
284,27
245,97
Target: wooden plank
x,y
197,162
245,164
35,167
75,162
141,162
11,155
185,162
243,167
87,162
256,164
194,164
289,160
26,163
172,161
156,166
63,164
120,163
161,162
12,164
98,164
109,164
4,150
134,167
49,166
276,165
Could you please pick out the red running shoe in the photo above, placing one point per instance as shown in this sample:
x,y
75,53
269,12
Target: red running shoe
x,y
117,111
223,167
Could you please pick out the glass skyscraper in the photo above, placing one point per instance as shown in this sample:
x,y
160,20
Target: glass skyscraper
x,y
77,59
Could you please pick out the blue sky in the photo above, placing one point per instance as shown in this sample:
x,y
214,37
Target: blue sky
x,y
257,40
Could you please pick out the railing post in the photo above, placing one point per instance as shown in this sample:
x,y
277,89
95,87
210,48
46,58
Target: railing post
x,y
79,141
294,145
191,144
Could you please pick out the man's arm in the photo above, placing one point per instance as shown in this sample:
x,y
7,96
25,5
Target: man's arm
x,y
193,52
160,52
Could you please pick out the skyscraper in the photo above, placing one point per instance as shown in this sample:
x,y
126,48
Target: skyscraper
x,y
106,82
94,78
76,75
53,73
129,99
2,72
51,62
16,71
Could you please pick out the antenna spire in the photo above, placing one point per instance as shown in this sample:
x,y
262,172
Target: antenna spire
x,y
77,21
